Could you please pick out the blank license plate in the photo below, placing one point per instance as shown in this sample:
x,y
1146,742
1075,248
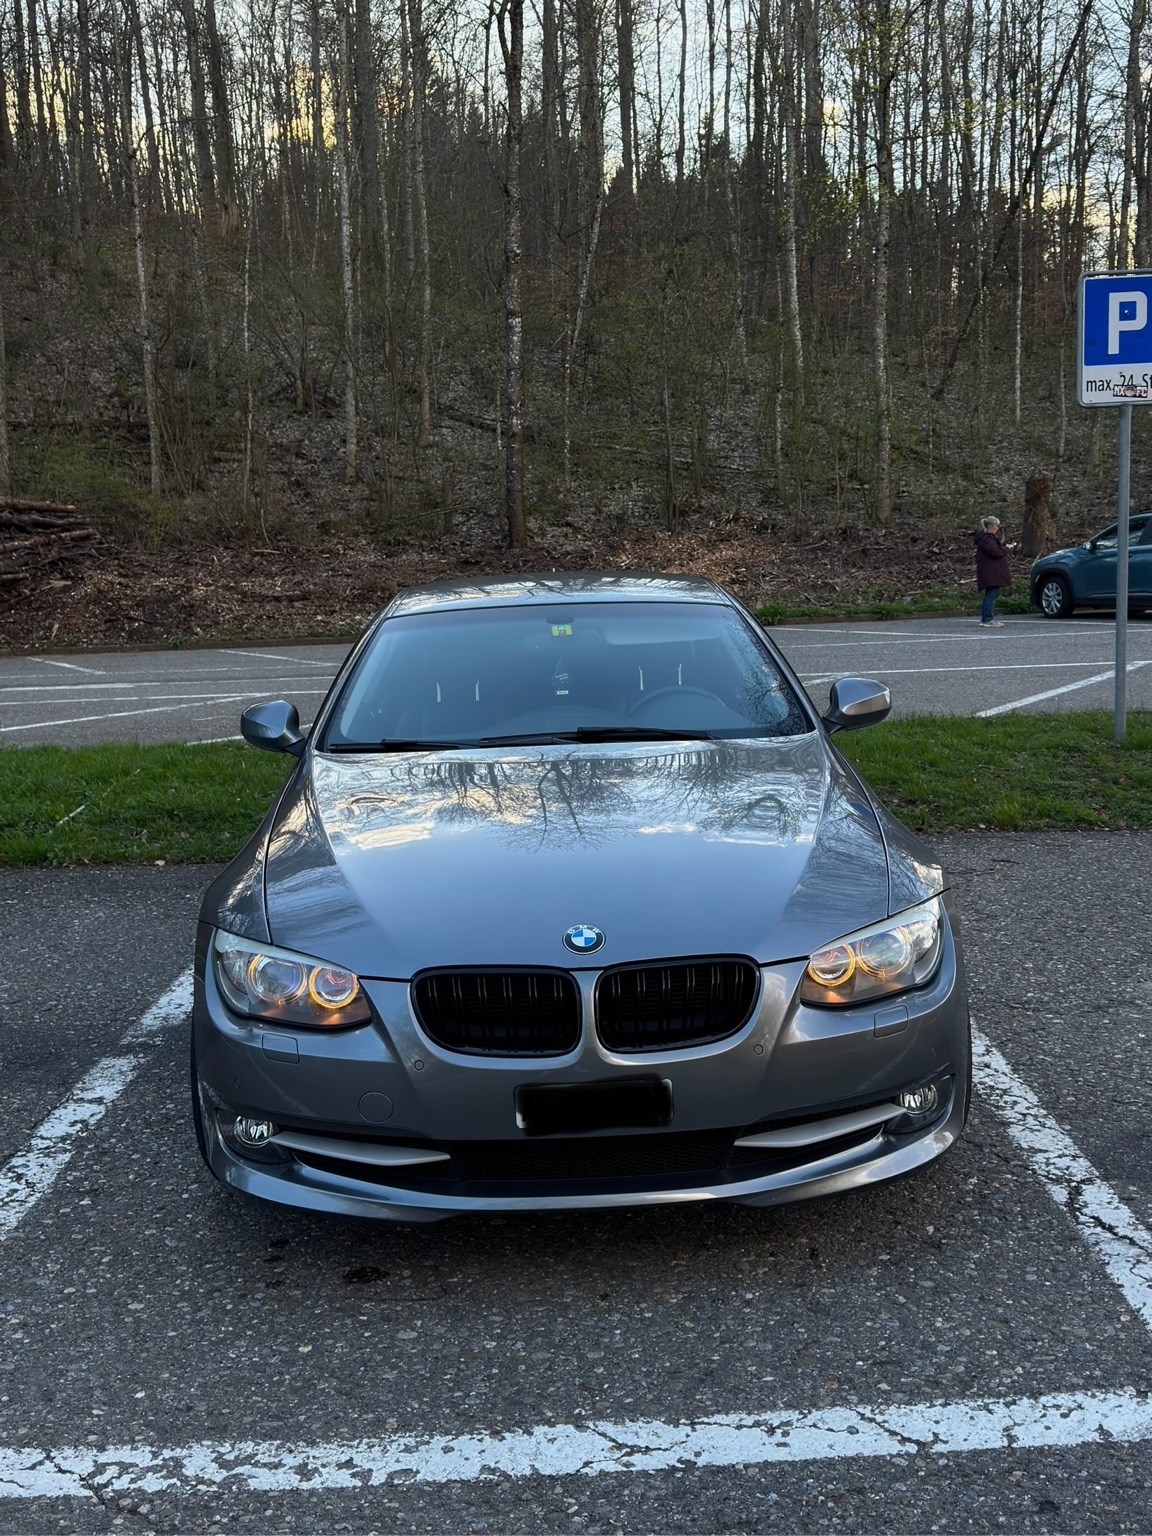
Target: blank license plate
x,y
563,1109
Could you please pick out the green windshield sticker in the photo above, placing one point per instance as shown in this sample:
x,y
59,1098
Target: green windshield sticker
x,y
561,629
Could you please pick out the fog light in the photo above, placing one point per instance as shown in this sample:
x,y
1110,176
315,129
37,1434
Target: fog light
x,y
252,1132
920,1101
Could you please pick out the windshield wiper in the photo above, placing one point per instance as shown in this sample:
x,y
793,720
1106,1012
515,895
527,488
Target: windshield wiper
x,y
594,733
590,733
397,744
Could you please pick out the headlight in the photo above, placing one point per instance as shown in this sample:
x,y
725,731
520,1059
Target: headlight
x,y
275,984
892,956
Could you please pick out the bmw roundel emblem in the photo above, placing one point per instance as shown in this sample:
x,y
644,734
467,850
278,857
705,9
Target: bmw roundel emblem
x,y
583,940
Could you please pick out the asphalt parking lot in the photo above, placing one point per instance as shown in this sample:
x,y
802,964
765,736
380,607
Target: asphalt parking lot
x,y
965,1351
933,666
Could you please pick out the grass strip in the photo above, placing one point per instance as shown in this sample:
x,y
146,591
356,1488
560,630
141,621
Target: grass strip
x,y
176,804
941,602
1014,772
132,804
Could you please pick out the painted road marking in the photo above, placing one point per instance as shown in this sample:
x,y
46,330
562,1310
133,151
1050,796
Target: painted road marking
x,y
995,666
1055,1421
125,714
1053,693
265,656
70,665
1060,1421
967,631
142,684
1122,1243
71,688
26,1178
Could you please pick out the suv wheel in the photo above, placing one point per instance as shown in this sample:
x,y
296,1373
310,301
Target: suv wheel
x,y
1054,598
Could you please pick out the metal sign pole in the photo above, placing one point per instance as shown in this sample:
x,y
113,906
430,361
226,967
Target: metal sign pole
x,y
1123,481
1114,368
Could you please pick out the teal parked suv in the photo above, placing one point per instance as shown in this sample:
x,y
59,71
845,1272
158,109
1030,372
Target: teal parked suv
x,y
1085,575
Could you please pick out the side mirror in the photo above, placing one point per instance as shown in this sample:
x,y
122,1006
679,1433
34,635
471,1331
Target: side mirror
x,y
273,727
855,702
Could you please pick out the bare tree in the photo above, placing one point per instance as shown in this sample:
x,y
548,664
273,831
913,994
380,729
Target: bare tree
x,y
5,461
121,32
510,30
347,276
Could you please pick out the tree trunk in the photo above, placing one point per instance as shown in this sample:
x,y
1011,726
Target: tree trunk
x,y
121,33
8,155
348,285
884,196
201,142
146,99
37,84
225,153
510,23
5,462
19,143
549,93
366,117
788,175
1037,527
626,56
420,214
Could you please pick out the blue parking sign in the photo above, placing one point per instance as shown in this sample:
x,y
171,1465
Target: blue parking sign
x,y
1115,339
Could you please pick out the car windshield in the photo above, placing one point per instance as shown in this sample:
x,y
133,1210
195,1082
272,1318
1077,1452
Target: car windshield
x,y
584,672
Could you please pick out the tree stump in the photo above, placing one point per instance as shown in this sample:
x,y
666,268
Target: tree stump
x,y
1037,528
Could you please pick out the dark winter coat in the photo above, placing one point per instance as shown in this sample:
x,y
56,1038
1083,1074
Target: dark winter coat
x,y
991,561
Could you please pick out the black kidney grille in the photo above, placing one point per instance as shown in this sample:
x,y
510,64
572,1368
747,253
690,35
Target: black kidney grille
x,y
499,1013
661,1007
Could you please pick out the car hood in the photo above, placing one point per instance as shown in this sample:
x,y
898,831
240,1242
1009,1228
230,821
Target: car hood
x,y
1055,555
390,864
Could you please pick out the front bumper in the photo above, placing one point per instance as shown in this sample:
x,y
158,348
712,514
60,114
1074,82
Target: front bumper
x,y
379,1121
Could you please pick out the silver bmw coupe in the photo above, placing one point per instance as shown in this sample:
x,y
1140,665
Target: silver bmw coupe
x,y
570,901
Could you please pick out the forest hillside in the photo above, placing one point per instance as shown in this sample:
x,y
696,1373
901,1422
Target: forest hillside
x,y
303,302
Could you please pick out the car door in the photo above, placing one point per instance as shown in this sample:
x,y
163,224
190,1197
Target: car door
x,y
1140,559
1096,573
1096,578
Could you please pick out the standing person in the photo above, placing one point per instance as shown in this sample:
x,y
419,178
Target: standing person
x,y
992,572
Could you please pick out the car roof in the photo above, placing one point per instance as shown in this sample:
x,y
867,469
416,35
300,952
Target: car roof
x,y
550,587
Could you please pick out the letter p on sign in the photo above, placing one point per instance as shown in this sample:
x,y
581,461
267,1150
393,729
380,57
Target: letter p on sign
x,y
1126,312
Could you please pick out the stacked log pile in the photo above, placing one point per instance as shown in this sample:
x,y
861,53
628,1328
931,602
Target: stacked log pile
x,y
41,542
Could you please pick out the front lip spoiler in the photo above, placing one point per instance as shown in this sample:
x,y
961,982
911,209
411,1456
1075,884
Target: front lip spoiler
x,y
852,1170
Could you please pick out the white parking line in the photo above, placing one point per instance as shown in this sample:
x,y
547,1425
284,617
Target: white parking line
x,y
997,666
124,714
1054,693
26,1178
175,701
1055,1421
70,665
234,680
864,638
304,661
1122,1243
569,1450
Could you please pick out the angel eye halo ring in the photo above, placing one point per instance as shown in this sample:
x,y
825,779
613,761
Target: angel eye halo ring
x,y
893,956
264,982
